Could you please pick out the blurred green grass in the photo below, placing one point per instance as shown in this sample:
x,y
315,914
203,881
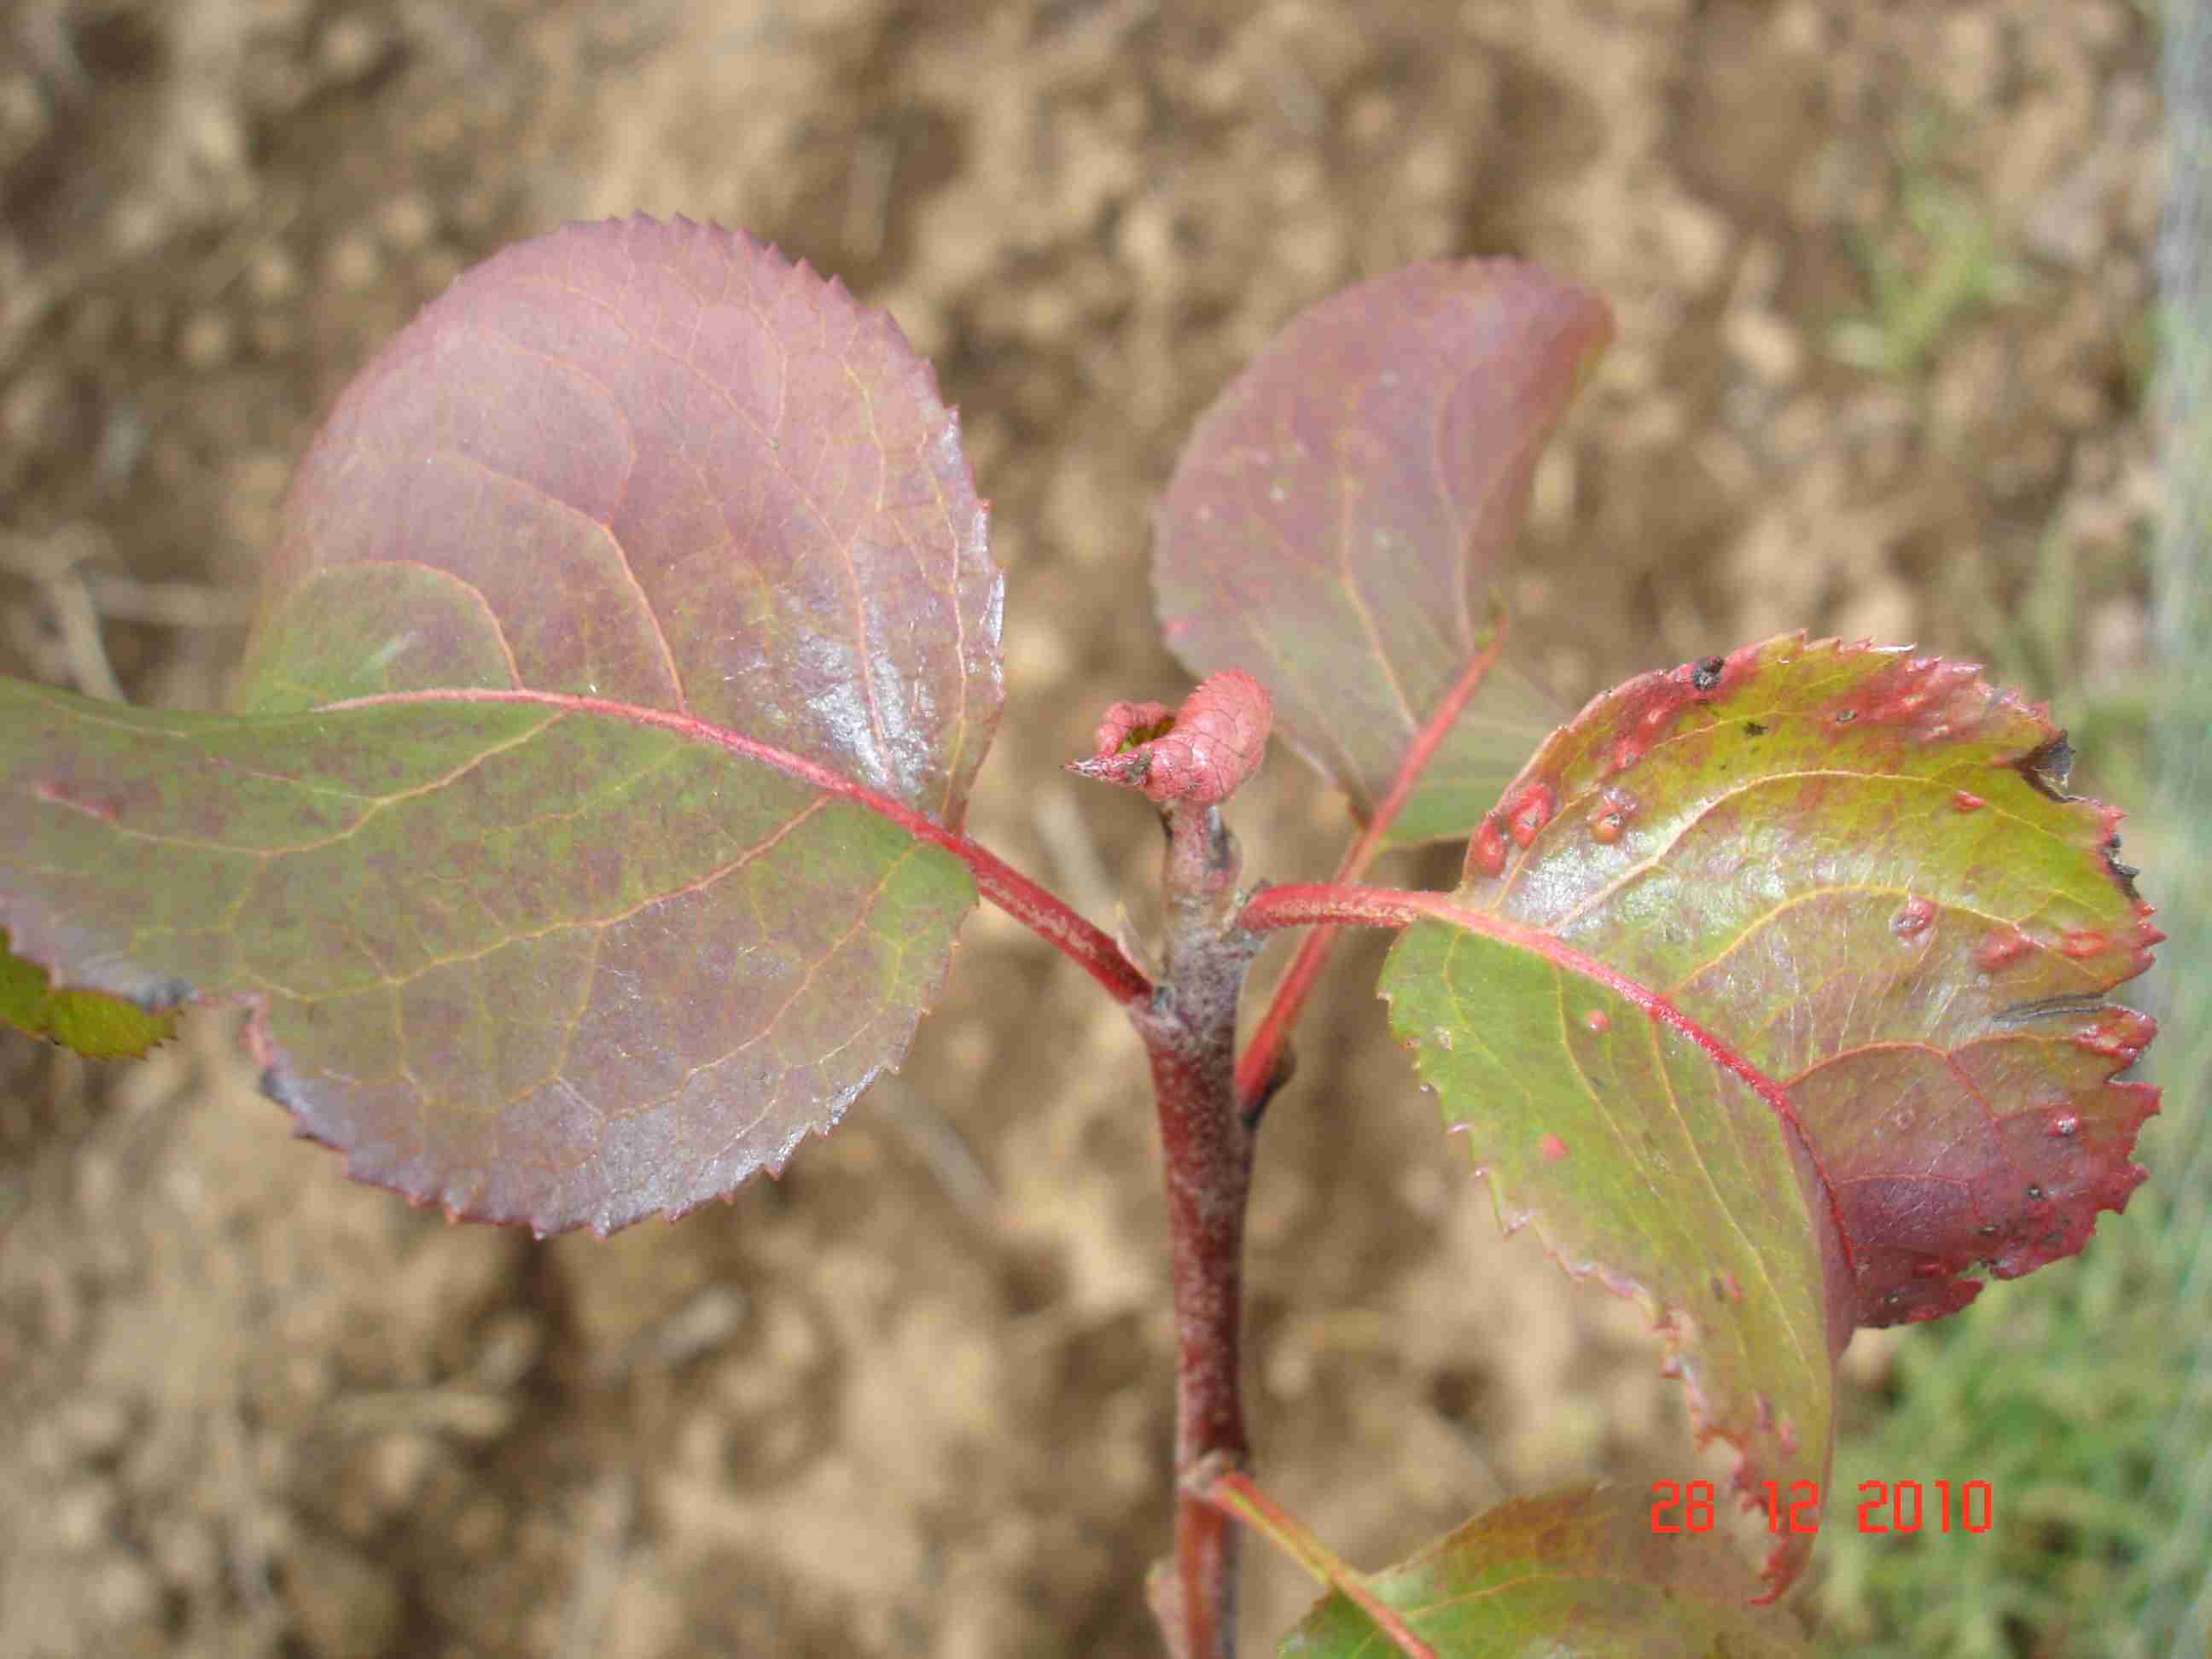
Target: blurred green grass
x,y
1941,259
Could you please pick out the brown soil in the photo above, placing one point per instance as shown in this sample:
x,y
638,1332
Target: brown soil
x,y
914,1398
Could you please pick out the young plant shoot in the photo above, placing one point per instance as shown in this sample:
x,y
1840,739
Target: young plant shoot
x,y
586,832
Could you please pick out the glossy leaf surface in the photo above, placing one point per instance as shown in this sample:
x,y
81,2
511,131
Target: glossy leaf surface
x,y
1571,1575
537,925
1339,517
1801,1018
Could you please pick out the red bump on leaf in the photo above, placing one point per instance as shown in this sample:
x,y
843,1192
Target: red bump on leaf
x,y
1485,850
1914,919
1609,818
1551,1149
1531,811
1968,803
1598,1021
2120,1034
2083,943
1648,708
1928,698
2002,950
1201,754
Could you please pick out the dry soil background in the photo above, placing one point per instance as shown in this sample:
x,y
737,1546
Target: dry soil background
x,y
913,1400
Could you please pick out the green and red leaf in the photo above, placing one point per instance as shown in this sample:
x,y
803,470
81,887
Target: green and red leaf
x,y
1575,1575
1780,1005
532,841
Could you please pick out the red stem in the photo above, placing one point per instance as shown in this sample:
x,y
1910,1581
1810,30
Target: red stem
x,y
1041,912
1189,1030
1208,1157
1257,1069
1236,1493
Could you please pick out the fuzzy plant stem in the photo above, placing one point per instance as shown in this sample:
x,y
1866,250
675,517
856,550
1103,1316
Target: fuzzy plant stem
x,y
1189,1026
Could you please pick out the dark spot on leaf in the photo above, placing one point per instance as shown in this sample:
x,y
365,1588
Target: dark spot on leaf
x,y
1753,729
2047,766
1987,1229
2023,1013
1845,716
2035,1194
2125,873
1707,674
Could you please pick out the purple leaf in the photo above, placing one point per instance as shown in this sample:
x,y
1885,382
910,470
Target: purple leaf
x,y
535,923
1341,516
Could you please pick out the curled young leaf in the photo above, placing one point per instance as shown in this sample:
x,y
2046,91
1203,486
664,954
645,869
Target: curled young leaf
x,y
1200,755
